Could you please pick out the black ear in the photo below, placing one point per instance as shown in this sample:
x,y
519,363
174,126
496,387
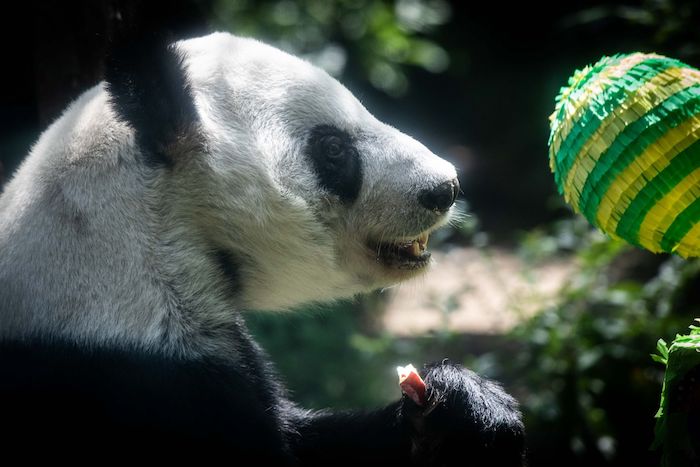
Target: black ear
x,y
148,86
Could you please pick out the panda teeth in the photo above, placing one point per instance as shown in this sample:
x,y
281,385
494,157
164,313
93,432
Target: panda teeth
x,y
417,247
412,254
423,241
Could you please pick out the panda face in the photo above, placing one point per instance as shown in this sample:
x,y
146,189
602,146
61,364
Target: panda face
x,y
310,196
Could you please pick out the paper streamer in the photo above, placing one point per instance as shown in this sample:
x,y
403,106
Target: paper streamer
x,y
624,150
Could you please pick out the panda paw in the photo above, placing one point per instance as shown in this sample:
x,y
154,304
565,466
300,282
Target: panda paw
x,y
466,419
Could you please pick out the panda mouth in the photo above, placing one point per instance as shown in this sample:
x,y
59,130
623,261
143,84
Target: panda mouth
x,y
402,254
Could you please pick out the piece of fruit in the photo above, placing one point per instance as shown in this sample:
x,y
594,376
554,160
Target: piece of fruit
x,y
411,383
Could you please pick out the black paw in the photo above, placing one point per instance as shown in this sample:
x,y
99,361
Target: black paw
x,y
467,420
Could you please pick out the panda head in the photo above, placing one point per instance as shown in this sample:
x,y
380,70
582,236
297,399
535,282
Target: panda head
x,y
299,192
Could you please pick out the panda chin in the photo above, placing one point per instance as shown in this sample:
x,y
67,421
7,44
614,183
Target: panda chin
x,y
409,255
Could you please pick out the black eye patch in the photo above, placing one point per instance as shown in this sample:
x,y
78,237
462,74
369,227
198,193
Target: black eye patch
x,y
336,161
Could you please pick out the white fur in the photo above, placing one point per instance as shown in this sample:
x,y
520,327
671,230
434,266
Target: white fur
x,y
97,247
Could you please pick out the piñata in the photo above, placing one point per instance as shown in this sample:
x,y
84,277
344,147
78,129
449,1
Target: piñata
x,y
625,151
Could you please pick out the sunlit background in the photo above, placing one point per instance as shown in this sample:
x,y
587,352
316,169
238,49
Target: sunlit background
x,y
521,290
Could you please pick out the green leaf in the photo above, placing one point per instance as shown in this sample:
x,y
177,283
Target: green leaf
x,y
662,347
659,359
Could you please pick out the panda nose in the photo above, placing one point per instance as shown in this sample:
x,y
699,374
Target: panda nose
x,y
441,197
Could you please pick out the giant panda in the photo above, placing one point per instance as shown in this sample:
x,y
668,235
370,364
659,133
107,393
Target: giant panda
x,y
204,178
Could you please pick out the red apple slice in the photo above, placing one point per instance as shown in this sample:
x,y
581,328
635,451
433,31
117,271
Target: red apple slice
x,y
411,383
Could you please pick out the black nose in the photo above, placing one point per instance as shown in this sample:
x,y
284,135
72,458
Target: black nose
x,y
441,197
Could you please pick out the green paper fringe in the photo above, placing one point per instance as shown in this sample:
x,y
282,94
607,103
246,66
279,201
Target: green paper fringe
x,y
632,142
611,98
655,189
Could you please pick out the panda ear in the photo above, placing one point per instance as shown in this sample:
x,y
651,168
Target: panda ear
x,y
148,88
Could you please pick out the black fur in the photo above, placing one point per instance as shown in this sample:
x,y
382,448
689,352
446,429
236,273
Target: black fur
x,y
476,417
149,89
228,266
68,401
67,398
336,161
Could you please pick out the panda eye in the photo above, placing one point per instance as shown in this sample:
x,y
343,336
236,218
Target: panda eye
x,y
333,147
336,161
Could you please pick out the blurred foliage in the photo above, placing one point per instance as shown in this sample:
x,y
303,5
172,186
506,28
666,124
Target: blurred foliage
x,y
381,37
583,372
326,358
333,356
338,355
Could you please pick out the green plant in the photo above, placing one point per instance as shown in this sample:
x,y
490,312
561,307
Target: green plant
x,y
380,38
582,368
680,403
